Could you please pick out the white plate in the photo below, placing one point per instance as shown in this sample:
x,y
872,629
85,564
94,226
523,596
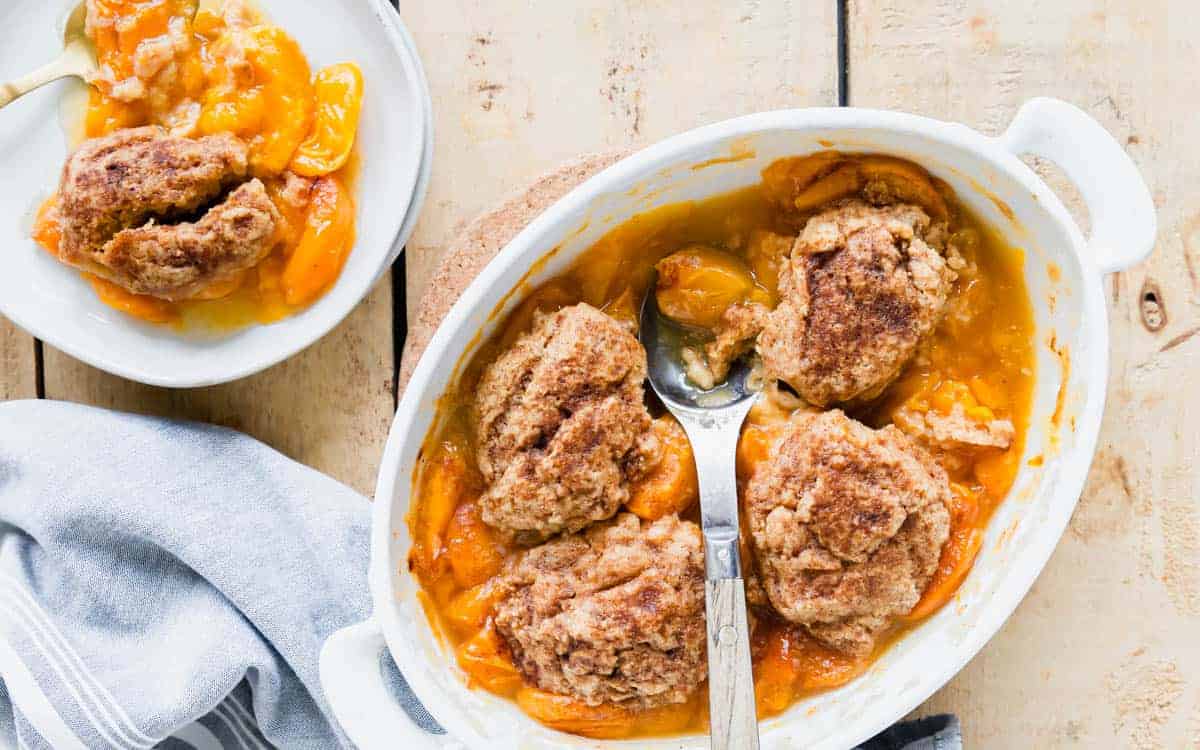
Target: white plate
x,y
55,304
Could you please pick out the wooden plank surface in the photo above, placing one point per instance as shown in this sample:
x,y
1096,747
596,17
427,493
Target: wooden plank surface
x,y
1103,652
520,87
18,363
329,407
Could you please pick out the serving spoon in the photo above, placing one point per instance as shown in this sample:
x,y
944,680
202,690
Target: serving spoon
x,y
78,59
713,420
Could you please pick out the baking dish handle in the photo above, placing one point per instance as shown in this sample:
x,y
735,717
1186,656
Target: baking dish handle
x,y
1122,213
356,687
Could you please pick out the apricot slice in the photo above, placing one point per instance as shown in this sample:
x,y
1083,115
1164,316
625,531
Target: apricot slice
x,y
785,178
328,236
625,309
950,393
988,393
468,611
891,180
754,447
47,232
566,714
822,668
766,254
764,424
775,676
997,472
672,485
269,102
487,665
339,95
223,288
698,283
443,486
105,115
208,23
958,554
287,93
471,548
842,182
141,306
240,112
671,718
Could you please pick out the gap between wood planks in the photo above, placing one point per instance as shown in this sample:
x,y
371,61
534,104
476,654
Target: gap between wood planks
x,y
399,307
843,52
39,369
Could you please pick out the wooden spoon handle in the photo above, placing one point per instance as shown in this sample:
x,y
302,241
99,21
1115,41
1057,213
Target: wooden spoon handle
x,y
732,715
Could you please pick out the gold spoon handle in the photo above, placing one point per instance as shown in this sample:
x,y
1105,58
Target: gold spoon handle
x,y
66,65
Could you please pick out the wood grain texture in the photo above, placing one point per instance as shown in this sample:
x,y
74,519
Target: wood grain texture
x,y
732,712
519,88
1102,653
329,407
18,364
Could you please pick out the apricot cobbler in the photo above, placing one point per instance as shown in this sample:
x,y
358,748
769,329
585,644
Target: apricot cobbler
x,y
214,184
555,504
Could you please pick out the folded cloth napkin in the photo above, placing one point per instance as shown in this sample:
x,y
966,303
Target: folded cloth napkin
x,y
165,584
939,732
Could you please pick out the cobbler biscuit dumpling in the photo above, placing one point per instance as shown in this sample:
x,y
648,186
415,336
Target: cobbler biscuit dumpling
x,y
149,211
562,425
861,290
848,525
612,615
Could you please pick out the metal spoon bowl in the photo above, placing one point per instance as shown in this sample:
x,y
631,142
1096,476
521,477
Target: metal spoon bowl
x,y
713,420
663,340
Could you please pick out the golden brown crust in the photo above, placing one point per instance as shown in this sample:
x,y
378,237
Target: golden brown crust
x,y
124,179
562,425
125,200
175,261
848,525
612,615
859,293
954,431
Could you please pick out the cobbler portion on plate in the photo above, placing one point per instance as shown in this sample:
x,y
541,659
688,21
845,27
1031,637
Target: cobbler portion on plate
x,y
214,182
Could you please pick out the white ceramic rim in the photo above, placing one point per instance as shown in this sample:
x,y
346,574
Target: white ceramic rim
x,y
394,477
327,312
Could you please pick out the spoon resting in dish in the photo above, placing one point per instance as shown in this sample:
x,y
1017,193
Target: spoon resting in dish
x,y
713,420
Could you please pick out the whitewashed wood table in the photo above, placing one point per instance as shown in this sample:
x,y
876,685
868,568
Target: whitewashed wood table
x,y
1105,651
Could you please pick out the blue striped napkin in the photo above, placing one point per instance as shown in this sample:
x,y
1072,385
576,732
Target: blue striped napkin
x,y
167,585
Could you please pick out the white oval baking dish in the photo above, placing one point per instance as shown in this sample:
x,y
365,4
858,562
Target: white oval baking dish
x,y
1063,272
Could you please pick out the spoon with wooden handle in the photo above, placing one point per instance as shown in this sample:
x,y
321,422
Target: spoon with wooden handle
x,y
713,420
78,59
